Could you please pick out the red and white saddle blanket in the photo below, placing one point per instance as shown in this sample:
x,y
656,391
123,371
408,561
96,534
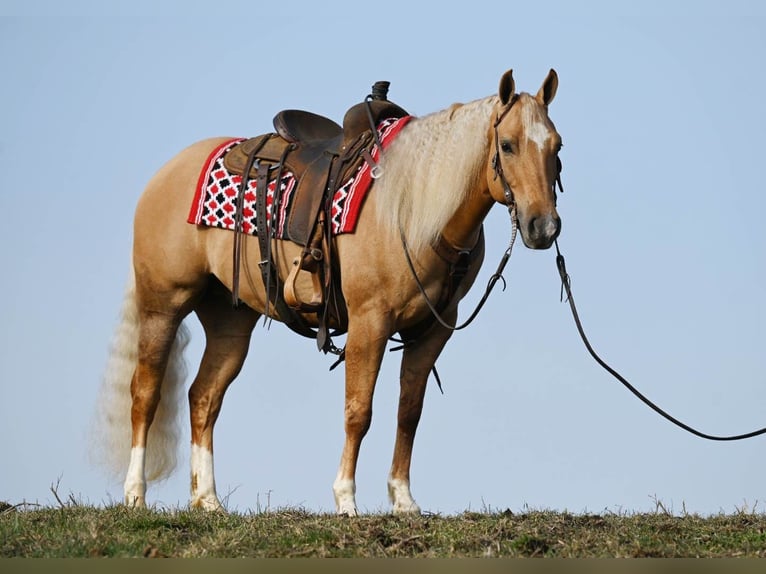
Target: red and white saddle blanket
x,y
215,198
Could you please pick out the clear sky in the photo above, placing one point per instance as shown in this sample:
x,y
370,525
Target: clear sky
x,y
660,106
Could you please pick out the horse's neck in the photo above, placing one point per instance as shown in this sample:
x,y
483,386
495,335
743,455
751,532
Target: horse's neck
x,y
463,229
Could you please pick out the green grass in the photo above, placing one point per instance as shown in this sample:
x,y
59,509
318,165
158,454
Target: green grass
x,y
74,530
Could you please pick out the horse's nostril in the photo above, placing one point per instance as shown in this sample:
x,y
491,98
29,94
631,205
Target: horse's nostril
x,y
556,225
532,227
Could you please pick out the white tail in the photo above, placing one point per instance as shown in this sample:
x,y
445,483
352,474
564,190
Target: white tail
x,y
111,428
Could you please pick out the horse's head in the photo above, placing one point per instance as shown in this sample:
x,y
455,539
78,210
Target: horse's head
x,y
524,164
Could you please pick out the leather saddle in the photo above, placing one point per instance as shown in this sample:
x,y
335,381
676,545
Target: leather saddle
x,y
307,144
322,155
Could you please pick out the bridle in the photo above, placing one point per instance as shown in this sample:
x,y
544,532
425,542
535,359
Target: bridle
x,y
497,165
510,202
498,274
466,255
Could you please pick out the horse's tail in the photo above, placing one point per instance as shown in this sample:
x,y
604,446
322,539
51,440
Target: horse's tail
x,y
111,429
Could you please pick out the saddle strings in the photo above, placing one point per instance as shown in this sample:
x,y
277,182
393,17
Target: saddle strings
x,y
238,217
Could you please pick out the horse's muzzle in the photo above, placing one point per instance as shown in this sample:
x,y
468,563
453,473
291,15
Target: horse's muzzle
x,y
541,231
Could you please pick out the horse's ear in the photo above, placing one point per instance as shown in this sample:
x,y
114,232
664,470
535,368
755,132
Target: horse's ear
x,y
548,90
507,87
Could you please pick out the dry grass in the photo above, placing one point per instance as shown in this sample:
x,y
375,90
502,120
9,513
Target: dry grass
x,y
74,530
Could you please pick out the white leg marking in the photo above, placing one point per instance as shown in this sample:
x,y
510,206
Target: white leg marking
x,y
135,479
345,501
203,494
401,497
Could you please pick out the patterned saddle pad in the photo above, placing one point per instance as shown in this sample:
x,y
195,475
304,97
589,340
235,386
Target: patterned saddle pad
x,y
215,198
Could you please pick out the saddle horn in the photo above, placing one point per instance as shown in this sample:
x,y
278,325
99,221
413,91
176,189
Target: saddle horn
x,y
380,90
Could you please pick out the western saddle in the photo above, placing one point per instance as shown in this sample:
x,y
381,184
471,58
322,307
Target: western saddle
x,y
321,155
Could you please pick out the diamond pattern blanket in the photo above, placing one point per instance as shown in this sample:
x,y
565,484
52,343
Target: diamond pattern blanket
x,y
215,198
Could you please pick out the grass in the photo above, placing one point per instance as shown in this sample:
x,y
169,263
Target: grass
x,y
75,530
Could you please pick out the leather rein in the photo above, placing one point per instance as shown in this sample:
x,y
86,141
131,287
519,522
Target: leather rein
x,y
565,288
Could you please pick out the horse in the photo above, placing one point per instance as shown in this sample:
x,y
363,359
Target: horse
x,y
440,177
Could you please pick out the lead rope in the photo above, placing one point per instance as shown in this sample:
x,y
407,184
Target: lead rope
x,y
566,287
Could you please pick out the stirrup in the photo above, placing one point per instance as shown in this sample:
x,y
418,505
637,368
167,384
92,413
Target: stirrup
x,y
290,292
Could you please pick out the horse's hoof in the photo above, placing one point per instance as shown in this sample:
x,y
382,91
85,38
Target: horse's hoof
x,y
400,497
211,504
408,509
135,501
349,511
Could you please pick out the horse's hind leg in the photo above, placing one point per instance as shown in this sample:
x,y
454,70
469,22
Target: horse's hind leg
x,y
227,332
157,331
417,362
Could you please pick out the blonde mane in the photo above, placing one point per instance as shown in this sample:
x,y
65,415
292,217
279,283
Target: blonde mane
x,y
430,168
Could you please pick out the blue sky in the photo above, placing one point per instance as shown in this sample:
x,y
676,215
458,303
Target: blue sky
x,y
660,110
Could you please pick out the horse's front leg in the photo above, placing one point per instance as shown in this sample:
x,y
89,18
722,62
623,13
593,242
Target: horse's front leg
x,y
365,345
418,360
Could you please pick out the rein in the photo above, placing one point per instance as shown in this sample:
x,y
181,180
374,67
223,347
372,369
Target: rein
x,y
567,287
496,276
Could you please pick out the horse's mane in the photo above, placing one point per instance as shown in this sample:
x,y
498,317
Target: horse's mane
x,y
429,169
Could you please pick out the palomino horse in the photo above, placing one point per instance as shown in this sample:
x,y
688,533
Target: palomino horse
x,y
441,176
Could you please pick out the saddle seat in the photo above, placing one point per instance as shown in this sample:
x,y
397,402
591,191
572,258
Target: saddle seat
x,y
317,131
299,126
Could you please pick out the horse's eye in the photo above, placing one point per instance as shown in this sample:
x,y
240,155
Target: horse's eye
x,y
506,147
